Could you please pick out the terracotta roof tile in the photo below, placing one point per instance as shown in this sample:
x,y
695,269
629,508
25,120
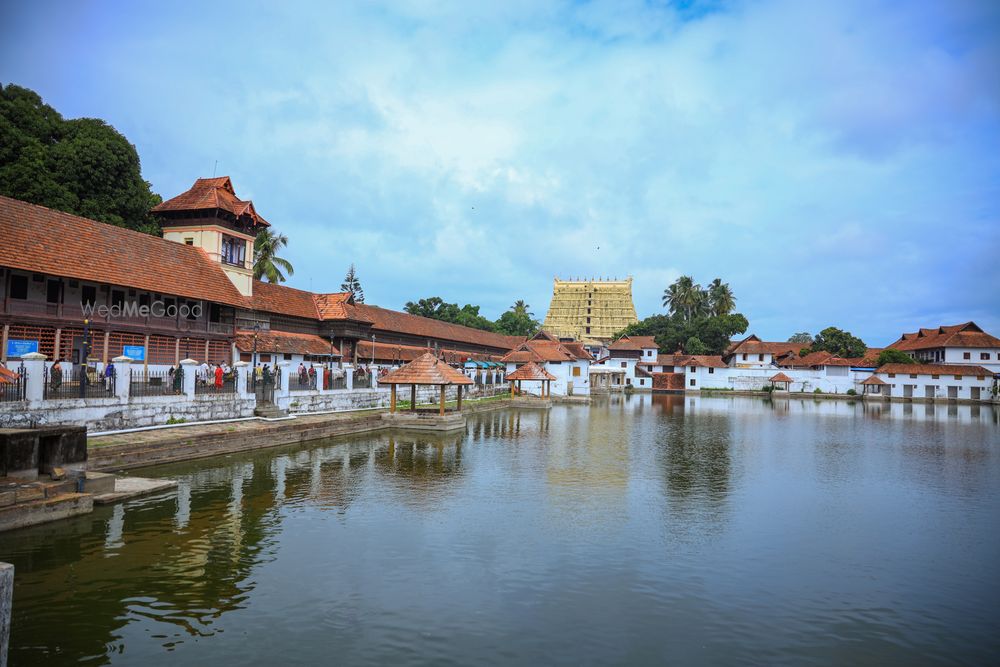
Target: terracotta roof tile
x,y
754,345
956,335
780,377
705,360
873,380
41,240
935,369
284,342
426,369
634,343
209,194
383,319
531,371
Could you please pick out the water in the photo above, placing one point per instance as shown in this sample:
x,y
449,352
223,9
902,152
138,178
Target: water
x,y
646,530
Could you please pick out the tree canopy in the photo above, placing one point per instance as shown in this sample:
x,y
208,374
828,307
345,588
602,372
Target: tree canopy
x,y
893,356
801,337
709,334
437,308
266,263
686,298
517,321
82,166
353,285
838,342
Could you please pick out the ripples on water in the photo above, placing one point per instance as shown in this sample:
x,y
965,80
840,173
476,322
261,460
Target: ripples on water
x,y
642,530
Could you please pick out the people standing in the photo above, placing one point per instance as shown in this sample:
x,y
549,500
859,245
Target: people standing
x,y
218,377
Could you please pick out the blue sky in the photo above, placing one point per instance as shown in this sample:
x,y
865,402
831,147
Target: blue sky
x,y
838,163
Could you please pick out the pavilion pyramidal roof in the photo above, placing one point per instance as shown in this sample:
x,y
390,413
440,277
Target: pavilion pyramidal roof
x,y
427,370
531,371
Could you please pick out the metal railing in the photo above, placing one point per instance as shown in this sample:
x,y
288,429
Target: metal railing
x,y
156,383
14,390
337,382
363,381
209,385
80,382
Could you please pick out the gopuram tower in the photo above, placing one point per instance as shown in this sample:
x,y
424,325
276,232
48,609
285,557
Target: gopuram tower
x,y
590,310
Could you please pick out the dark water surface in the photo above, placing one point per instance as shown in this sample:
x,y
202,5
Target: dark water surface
x,y
641,530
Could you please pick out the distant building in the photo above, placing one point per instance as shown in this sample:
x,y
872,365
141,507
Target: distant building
x,y
590,311
568,361
952,344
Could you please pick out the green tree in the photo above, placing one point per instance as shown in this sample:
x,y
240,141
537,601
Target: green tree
x,y
893,356
801,337
437,308
81,166
266,263
353,285
838,342
518,320
673,332
694,346
720,298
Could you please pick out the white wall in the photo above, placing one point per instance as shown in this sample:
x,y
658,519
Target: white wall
x,y
956,355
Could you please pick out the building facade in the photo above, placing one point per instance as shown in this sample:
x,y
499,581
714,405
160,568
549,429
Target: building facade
x,y
590,311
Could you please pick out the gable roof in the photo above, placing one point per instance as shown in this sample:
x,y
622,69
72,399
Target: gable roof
x,y
935,369
968,334
780,377
873,380
284,342
754,345
211,194
425,369
424,327
546,351
38,239
634,343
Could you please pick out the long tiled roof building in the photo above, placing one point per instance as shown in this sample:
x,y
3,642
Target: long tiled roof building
x,y
77,289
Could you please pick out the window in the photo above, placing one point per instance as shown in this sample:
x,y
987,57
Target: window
x,y
588,320
744,357
588,329
760,357
234,250
649,353
576,371
117,298
624,364
52,291
711,370
692,382
913,376
189,241
144,300
958,377
892,375
966,355
214,312
935,377
18,287
88,295
984,355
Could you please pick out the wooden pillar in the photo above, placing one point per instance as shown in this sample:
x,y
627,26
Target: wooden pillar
x,y
442,400
145,357
392,398
459,398
413,397
511,388
177,351
55,353
3,343
104,355
205,358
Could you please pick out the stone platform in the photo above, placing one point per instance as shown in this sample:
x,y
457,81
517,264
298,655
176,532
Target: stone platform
x,y
133,487
531,402
425,421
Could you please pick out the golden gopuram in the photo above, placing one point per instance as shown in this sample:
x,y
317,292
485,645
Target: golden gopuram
x,y
590,310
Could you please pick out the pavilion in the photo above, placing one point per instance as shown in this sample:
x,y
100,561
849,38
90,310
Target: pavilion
x,y
425,370
781,379
873,385
532,372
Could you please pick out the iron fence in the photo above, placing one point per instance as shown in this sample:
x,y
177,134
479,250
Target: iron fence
x,y
336,382
80,382
301,382
362,380
261,386
13,389
210,385
156,383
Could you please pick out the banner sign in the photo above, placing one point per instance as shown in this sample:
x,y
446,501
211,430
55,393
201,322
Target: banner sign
x,y
19,348
134,352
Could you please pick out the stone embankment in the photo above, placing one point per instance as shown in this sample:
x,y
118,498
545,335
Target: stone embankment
x,y
122,451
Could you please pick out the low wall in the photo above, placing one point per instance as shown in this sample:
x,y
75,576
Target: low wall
x,y
113,414
298,402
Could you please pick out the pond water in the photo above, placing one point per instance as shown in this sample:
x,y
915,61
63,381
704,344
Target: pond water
x,y
639,530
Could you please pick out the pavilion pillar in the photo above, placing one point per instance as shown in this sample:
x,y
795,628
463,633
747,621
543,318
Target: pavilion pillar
x,y
442,400
392,398
459,398
413,398
512,389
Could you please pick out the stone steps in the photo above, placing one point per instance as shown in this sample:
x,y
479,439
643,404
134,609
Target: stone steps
x,y
60,506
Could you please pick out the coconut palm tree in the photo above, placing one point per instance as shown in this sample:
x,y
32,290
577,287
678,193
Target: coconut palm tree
x,y
520,308
720,298
266,263
686,297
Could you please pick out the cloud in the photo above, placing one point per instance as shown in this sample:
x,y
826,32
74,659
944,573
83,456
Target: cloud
x,y
814,155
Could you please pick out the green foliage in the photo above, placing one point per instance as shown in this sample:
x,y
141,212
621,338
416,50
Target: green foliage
x,y
802,337
353,285
176,420
266,263
840,343
437,308
517,321
851,392
673,332
81,166
686,298
893,356
694,346
817,390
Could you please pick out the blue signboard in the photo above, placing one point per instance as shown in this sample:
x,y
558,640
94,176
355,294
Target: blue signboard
x,y
134,352
19,348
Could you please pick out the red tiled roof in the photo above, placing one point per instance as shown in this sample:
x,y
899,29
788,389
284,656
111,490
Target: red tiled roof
x,y
667,360
634,343
705,360
209,194
546,350
284,342
383,319
754,345
41,240
284,300
426,369
872,380
935,369
955,335
531,371
337,306
780,377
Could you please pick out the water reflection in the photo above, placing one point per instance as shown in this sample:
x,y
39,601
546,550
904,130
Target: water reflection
x,y
524,536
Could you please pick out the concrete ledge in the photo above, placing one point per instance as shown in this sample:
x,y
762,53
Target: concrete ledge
x,y
425,421
48,509
531,402
133,487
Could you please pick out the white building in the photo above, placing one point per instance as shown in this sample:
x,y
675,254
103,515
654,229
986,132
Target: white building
x,y
627,353
933,382
568,361
965,344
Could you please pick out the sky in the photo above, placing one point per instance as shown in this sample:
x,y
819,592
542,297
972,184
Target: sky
x,y
836,162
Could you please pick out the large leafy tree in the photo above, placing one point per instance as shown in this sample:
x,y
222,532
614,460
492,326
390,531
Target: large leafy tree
x,y
353,285
801,337
81,166
686,298
266,263
709,334
518,320
838,342
438,309
891,355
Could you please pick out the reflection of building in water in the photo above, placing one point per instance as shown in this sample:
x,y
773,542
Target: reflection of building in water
x,y
588,463
421,465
